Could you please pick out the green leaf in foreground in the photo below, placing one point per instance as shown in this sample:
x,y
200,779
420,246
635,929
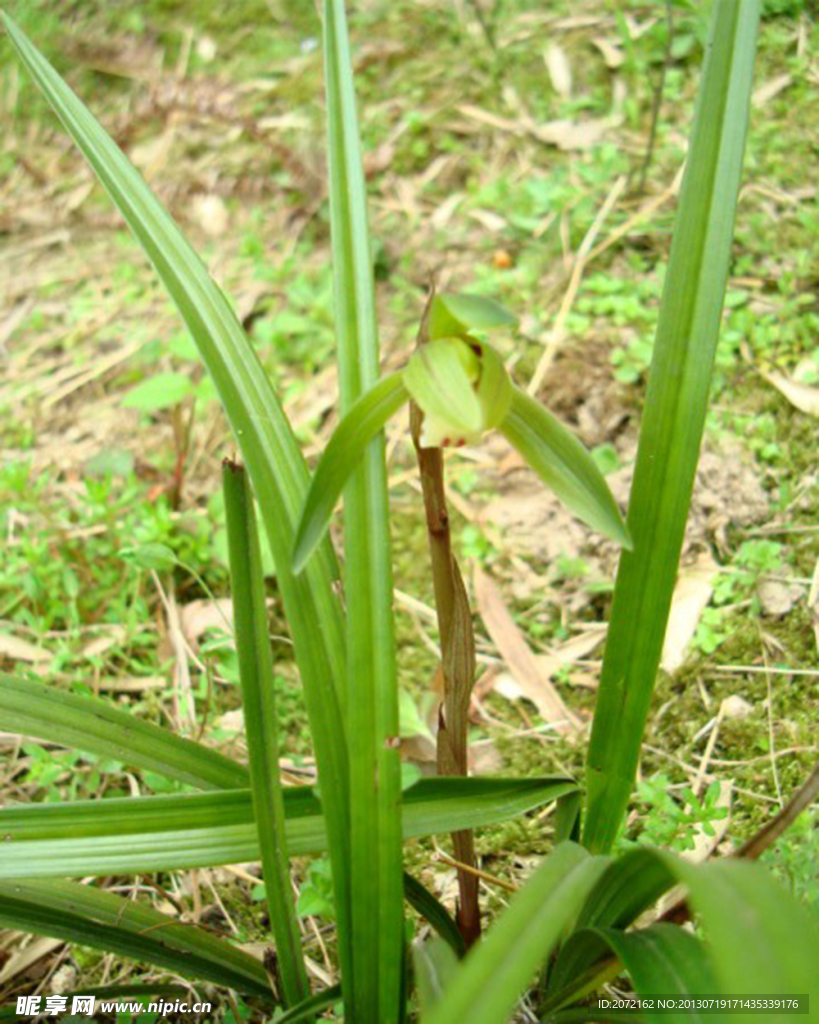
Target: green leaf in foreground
x,y
486,986
91,917
564,465
127,836
343,452
760,940
674,417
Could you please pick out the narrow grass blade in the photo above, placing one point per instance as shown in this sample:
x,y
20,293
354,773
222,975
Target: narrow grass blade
x,y
629,886
674,417
91,917
375,945
93,725
564,465
487,985
126,836
434,913
263,433
261,726
343,453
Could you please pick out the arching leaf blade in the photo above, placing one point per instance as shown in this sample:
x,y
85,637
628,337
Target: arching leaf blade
x,y
435,914
661,960
486,986
264,435
127,836
760,940
92,917
338,460
564,465
97,726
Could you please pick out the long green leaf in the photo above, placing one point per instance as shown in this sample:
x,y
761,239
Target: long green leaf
x,y
489,981
564,465
661,960
761,940
122,836
261,726
674,417
343,453
262,431
374,945
92,917
668,960
98,727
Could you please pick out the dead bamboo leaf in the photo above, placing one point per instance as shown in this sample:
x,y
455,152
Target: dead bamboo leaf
x,y
15,649
695,584
612,54
572,651
562,133
131,684
21,959
99,645
197,617
560,72
523,665
768,90
801,396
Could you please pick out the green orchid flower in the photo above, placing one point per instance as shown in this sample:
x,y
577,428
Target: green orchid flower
x,y
462,388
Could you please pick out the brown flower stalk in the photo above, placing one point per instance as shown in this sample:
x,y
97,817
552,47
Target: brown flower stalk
x,y
457,650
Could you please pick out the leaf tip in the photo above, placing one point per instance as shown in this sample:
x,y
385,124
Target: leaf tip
x,y
626,541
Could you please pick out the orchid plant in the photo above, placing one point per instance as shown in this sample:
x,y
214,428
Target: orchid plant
x,y
580,918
